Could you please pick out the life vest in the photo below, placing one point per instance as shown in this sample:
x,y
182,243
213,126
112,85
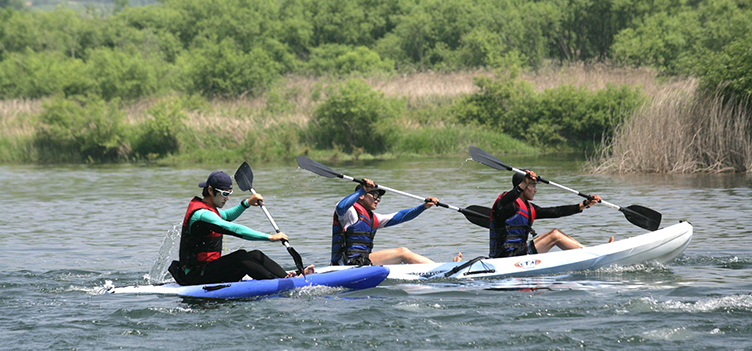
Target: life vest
x,y
514,232
199,244
352,246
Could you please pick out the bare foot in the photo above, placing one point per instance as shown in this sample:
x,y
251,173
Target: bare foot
x,y
611,239
458,257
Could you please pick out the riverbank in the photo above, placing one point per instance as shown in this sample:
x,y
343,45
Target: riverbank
x,y
177,129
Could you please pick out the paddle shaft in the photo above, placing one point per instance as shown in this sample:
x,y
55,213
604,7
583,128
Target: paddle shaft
x,y
640,216
269,217
472,215
440,204
244,178
589,197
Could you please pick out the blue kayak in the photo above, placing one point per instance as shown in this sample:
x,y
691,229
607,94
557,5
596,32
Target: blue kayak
x,y
352,279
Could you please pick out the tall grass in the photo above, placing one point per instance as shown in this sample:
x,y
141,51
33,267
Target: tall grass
x,y
681,133
17,129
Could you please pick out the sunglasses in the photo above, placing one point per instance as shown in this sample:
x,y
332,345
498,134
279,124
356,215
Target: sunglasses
x,y
224,193
376,195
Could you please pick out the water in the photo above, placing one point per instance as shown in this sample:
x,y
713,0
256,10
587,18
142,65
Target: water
x,y
68,232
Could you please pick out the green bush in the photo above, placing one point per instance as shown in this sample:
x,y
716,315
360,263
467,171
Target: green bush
x,y
223,69
278,142
568,114
158,136
124,76
80,129
356,118
483,48
562,116
455,140
502,103
39,74
343,60
661,41
729,71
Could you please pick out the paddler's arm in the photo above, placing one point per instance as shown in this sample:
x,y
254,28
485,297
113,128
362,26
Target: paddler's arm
x,y
235,212
405,215
556,211
347,202
510,197
226,227
566,210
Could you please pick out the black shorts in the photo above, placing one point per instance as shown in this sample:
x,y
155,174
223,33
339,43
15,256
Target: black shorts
x,y
233,267
522,249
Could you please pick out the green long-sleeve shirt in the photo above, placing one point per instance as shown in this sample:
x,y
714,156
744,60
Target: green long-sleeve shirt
x,y
224,221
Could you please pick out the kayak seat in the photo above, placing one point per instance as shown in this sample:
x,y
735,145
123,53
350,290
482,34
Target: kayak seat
x,y
177,273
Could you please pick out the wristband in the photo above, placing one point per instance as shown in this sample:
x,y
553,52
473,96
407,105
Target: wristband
x,y
243,203
585,203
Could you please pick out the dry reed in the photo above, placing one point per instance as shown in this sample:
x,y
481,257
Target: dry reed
x,y
16,117
681,133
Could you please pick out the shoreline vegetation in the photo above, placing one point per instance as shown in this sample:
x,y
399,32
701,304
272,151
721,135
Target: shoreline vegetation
x,y
633,87
673,119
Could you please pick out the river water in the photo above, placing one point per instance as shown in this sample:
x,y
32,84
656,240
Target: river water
x,y
69,232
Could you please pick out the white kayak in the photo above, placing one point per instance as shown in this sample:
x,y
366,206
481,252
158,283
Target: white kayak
x,y
661,246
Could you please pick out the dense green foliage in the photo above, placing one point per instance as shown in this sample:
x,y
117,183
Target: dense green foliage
x,y
232,47
673,36
223,49
80,127
159,135
565,115
356,118
729,70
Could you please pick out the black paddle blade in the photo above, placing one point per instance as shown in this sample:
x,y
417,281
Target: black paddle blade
x,y
642,217
296,257
315,167
244,177
478,155
478,215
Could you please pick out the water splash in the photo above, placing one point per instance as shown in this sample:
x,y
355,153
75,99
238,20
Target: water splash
x,y
313,291
169,249
647,267
728,304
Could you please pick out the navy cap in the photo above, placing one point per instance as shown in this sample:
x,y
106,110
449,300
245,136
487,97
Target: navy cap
x,y
381,191
217,180
517,178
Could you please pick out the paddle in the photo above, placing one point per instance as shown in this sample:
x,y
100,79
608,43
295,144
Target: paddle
x,y
640,216
477,215
244,178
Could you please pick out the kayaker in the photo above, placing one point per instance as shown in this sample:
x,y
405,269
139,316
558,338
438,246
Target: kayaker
x,y
355,226
201,260
513,215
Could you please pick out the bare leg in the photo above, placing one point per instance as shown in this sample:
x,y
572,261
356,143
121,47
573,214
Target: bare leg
x,y
458,257
545,242
397,256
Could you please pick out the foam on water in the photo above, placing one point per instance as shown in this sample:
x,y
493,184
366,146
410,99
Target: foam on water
x,y
731,303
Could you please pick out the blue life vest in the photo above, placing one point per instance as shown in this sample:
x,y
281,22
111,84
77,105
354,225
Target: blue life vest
x,y
352,246
514,234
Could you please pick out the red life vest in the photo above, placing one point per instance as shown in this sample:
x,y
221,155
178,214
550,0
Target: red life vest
x,y
199,243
